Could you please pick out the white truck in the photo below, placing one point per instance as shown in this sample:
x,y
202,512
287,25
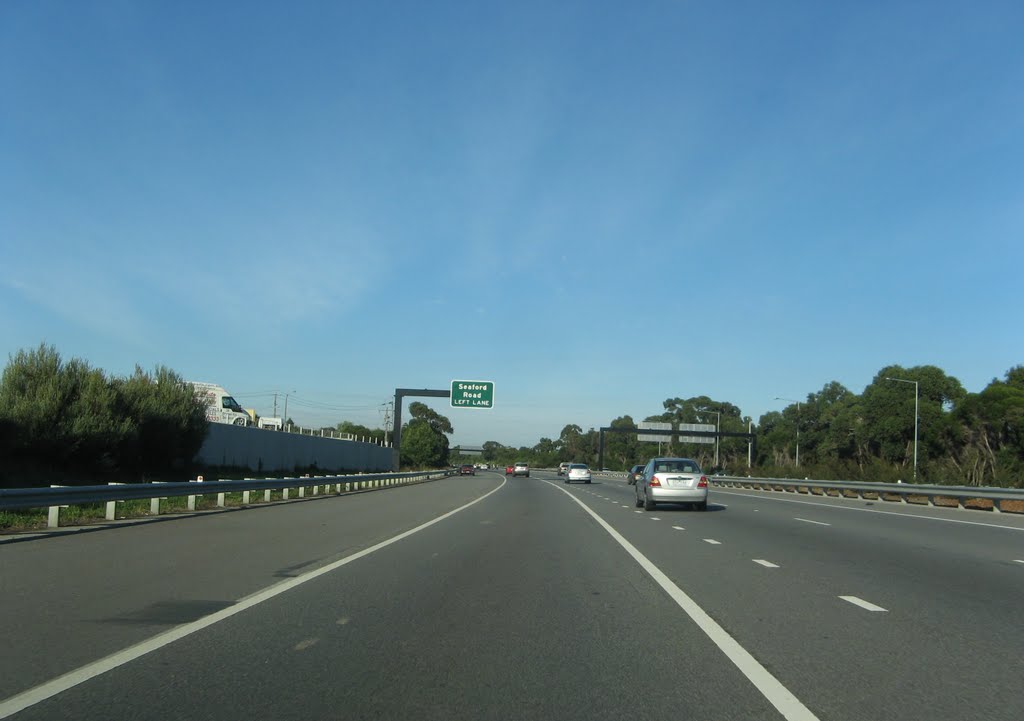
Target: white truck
x,y
220,406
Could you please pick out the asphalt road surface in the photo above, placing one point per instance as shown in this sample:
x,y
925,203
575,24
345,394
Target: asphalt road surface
x,y
522,598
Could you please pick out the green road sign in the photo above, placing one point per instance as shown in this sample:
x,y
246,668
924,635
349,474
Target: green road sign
x,y
472,394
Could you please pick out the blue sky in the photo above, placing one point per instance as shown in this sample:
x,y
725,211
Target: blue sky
x,y
597,206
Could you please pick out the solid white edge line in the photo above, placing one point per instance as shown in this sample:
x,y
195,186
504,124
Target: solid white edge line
x,y
48,689
766,564
806,520
770,687
763,497
863,604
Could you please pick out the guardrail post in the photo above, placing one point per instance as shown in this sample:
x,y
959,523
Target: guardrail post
x,y
284,493
111,513
995,506
154,503
302,491
53,516
245,494
192,499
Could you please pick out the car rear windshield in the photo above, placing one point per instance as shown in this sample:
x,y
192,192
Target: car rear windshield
x,y
676,467
578,467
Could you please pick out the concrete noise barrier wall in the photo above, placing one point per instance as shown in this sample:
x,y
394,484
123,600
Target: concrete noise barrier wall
x,y
265,450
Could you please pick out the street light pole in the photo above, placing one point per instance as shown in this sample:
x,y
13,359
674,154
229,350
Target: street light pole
x,y
793,400
917,402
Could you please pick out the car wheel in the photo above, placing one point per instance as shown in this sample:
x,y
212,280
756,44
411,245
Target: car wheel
x,y
648,503
566,481
587,481
702,506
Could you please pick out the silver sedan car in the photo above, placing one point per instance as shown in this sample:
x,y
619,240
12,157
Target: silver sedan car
x,y
577,472
671,480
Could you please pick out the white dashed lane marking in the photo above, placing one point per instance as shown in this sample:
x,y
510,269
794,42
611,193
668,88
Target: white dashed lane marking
x,y
655,519
712,541
816,523
863,604
679,528
766,564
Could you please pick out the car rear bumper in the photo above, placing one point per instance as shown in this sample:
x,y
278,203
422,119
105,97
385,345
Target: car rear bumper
x,y
677,495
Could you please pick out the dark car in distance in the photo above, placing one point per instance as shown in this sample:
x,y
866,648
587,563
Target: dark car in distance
x,y
466,469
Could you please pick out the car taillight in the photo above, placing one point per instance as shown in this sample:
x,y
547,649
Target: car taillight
x,y
703,482
654,481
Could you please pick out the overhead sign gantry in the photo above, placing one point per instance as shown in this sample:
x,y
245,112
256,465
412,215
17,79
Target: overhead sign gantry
x,y
463,394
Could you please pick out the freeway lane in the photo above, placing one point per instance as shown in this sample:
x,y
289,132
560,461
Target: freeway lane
x,y
774,573
71,599
525,606
520,606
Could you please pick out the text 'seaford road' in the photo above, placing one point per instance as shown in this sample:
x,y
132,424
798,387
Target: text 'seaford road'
x,y
472,394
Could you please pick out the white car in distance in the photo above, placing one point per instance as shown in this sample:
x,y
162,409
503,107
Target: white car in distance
x,y
577,472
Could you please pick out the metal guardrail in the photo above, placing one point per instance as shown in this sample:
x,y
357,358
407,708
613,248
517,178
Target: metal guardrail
x,y
56,497
901,491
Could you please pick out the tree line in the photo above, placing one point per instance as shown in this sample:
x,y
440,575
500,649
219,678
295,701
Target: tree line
x,y
962,438
64,421
67,422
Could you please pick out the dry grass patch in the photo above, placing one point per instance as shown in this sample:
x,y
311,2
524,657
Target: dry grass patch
x,y
979,504
1011,506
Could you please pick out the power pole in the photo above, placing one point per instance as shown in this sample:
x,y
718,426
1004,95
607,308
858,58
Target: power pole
x,y
387,420
275,405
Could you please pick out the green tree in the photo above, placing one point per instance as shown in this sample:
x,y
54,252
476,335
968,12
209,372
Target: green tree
x,y
888,408
424,412
990,445
424,443
570,443
169,421
423,446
